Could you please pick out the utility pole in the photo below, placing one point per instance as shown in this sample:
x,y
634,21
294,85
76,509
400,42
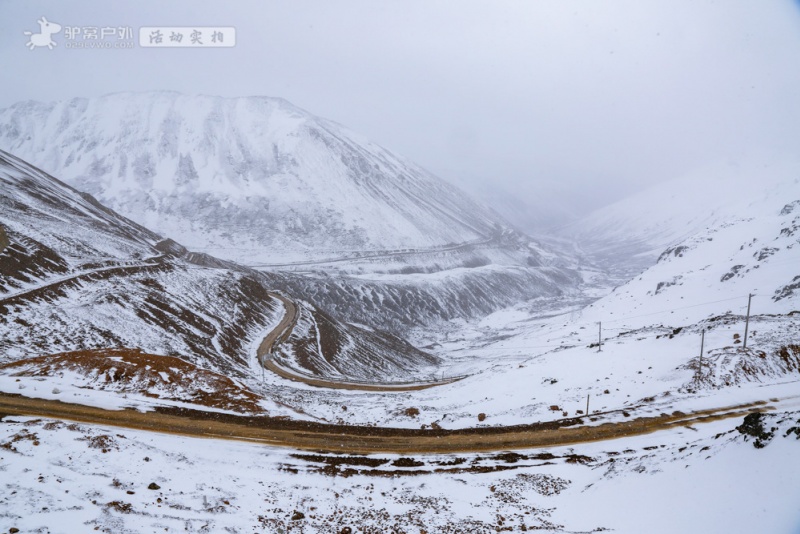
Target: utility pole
x,y
599,337
702,342
587,404
747,321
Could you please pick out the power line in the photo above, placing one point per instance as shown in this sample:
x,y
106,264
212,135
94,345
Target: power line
x,y
675,309
570,343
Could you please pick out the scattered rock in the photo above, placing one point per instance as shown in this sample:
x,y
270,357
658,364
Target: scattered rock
x,y
579,459
154,486
673,251
669,283
481,417
407,462
119,506
510,457
788,290
297,516
790,207
753,426
733,272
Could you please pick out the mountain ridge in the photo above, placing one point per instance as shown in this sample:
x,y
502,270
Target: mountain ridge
x,y
243,178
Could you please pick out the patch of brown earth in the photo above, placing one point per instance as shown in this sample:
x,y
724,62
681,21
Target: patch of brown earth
x,y
134,371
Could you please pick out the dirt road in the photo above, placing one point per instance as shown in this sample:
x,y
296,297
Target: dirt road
x,y
280,332
379,254
51,285
363,439
358,386
284,330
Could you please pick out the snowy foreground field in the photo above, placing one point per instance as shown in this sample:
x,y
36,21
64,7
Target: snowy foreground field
x,y
62,477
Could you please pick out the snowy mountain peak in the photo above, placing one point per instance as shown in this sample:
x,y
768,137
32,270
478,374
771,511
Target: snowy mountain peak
x,y
251,178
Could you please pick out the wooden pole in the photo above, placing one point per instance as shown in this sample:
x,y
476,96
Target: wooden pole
x,y
702,343
747,320
587,404
599,337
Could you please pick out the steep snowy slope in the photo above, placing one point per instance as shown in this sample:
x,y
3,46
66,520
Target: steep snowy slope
x,y
76,276
37,195
654,326
398,302
59,229
251,179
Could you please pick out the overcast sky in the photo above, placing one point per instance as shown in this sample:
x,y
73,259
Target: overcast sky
x,y
551,103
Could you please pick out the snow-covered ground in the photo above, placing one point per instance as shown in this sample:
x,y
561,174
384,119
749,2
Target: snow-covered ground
x,y
63,477
669,339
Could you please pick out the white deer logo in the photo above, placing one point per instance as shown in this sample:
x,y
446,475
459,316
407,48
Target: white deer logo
x,y
43,37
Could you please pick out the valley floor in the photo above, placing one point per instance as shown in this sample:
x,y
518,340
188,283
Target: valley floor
x,y
666,446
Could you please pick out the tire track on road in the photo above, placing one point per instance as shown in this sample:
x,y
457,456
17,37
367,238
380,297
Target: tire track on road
x,y
316,436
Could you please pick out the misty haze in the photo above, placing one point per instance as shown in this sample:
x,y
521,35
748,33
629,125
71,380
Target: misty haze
x,y
413,267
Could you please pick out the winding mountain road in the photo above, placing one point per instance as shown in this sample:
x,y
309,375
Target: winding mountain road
x,y
281,332
284,329
53,283
378,254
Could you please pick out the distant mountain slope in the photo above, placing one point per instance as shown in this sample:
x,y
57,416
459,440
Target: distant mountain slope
x,y
250,179
400,302
712,271
631,234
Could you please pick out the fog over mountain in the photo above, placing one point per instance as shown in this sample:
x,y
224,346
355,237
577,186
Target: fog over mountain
x,y
252,179
337,266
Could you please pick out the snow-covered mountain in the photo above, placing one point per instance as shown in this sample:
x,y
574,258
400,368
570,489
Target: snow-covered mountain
x,y
252,179
76,276
629,235
749,242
